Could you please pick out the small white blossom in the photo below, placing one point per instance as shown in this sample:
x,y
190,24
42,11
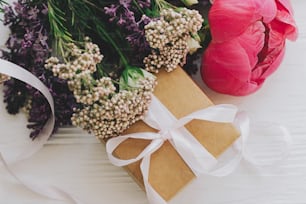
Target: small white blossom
x,y
193,45
168,37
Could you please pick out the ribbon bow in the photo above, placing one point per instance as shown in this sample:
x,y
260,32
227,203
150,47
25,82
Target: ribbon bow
x,y
192,152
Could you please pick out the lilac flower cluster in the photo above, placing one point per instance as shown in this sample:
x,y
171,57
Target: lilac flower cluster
x,y
125,14
28,47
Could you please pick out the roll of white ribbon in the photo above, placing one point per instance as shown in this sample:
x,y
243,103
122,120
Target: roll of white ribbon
x,y
13,153
21,152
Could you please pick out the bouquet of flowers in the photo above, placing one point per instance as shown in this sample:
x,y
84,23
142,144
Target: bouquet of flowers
x,y
95,58
98,58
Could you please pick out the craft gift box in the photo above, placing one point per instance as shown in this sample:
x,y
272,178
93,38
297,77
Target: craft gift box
x,y
168,172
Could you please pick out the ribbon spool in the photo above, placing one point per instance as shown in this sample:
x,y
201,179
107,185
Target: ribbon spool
x,y
15,153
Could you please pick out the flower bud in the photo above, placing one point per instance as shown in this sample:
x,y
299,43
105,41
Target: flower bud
x,y
192,45
131,77
190,2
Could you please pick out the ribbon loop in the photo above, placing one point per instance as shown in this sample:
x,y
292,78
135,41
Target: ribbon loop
x,y
113,143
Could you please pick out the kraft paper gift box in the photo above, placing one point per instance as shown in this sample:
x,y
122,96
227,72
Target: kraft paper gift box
x,y
168,172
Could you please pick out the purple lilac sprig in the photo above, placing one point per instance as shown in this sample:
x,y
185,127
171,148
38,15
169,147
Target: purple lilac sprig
x,y
129,16
28,46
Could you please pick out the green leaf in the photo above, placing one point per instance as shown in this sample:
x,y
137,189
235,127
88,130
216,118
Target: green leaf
x,y
140,72
125,76
2,4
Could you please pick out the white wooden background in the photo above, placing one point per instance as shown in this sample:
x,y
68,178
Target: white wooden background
x,y
76,161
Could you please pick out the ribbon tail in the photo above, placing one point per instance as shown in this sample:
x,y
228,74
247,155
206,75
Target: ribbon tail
x,y
152,195
193,153
243,123
113,143
145,155
223,113
266,129
50,192
15,153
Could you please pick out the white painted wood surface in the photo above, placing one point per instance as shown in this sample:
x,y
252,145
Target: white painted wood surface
x,y
76,161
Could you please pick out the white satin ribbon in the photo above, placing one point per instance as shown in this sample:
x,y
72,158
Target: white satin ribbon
x,y
192,152
268,129
13,153
21,152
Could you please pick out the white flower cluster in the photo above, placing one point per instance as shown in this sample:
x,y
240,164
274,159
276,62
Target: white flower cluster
x,y
116,114
79,72
79,60
168,38
104,112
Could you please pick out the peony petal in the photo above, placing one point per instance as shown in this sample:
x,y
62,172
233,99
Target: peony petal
x,y
273,56
286,4
252,41
226,69
266,8
230,18
285,15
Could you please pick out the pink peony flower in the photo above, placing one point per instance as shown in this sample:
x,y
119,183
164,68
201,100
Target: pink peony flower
x,y
248,43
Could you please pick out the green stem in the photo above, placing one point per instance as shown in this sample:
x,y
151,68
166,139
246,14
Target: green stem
x,y
111,41
100,71
93,5
138,7
2,3
206,27
162,4
59,31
